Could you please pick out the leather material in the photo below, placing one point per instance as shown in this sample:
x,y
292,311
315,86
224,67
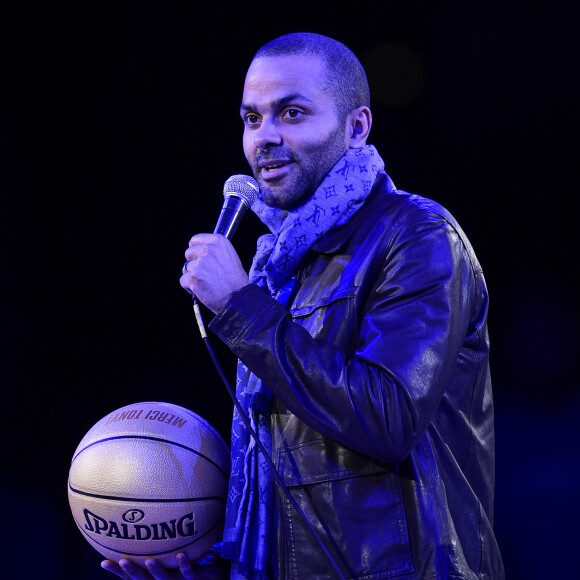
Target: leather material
x,y
383,422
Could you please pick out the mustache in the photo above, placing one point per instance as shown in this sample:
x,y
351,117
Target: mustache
x,y
275,154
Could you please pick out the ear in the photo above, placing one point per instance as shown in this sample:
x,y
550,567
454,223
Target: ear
x,y
358,127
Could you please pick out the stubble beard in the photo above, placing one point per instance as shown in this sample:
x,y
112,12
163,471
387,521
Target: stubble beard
x,y
312,166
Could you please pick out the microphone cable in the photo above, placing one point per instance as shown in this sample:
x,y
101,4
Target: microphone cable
x,y
254,435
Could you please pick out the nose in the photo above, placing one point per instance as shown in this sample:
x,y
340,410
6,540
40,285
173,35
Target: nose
x,y
267,135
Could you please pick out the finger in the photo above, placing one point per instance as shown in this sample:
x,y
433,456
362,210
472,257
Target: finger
x,y
202,239
194,252
184,269
133,571
157,571
184,282
185,565
113,567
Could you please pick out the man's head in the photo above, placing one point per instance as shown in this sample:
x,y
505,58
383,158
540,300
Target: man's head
x,y
306,101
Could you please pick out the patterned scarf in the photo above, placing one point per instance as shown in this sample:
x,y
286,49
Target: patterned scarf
x,y
250,529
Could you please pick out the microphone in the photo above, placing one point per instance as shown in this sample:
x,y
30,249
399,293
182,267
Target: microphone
x,y
240,192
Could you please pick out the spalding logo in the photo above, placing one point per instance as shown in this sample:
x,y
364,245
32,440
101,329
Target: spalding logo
x,y
133,516
182,527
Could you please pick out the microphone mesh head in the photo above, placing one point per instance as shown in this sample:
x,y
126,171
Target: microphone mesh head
x,y
243,186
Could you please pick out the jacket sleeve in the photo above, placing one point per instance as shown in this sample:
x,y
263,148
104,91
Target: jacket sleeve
x,y
380,399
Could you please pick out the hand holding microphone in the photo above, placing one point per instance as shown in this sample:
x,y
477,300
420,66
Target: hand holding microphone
x,y
213,269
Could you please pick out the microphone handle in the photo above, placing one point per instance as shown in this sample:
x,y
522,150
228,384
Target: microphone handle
x,y
231,215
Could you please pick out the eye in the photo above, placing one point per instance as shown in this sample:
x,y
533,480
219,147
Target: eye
x,y
292,114
251,119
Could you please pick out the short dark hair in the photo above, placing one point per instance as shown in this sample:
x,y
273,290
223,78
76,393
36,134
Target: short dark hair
x,y
345,74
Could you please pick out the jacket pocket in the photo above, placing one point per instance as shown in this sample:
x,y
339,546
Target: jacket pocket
x,y
355,507
333,318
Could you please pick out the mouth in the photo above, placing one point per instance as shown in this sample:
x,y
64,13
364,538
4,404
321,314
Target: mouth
x,y
274,169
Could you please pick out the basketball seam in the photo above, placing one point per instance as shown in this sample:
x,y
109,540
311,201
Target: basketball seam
x,y
150,438
147,500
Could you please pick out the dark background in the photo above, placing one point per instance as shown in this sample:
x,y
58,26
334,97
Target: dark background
x,y
119,128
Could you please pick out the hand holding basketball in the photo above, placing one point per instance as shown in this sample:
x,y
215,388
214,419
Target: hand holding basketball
x,y
203,569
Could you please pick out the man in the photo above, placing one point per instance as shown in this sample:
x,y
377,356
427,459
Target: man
x,y
362,339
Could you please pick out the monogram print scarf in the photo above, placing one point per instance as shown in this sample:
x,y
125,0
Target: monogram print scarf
x,y
341,193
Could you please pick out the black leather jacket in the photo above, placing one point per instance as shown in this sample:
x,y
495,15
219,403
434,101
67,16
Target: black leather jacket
x,y
383,426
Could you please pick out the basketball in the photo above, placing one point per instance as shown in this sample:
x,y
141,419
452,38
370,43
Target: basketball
x,y
150,480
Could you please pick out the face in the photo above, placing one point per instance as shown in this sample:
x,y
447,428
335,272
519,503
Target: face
x,y
292,135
